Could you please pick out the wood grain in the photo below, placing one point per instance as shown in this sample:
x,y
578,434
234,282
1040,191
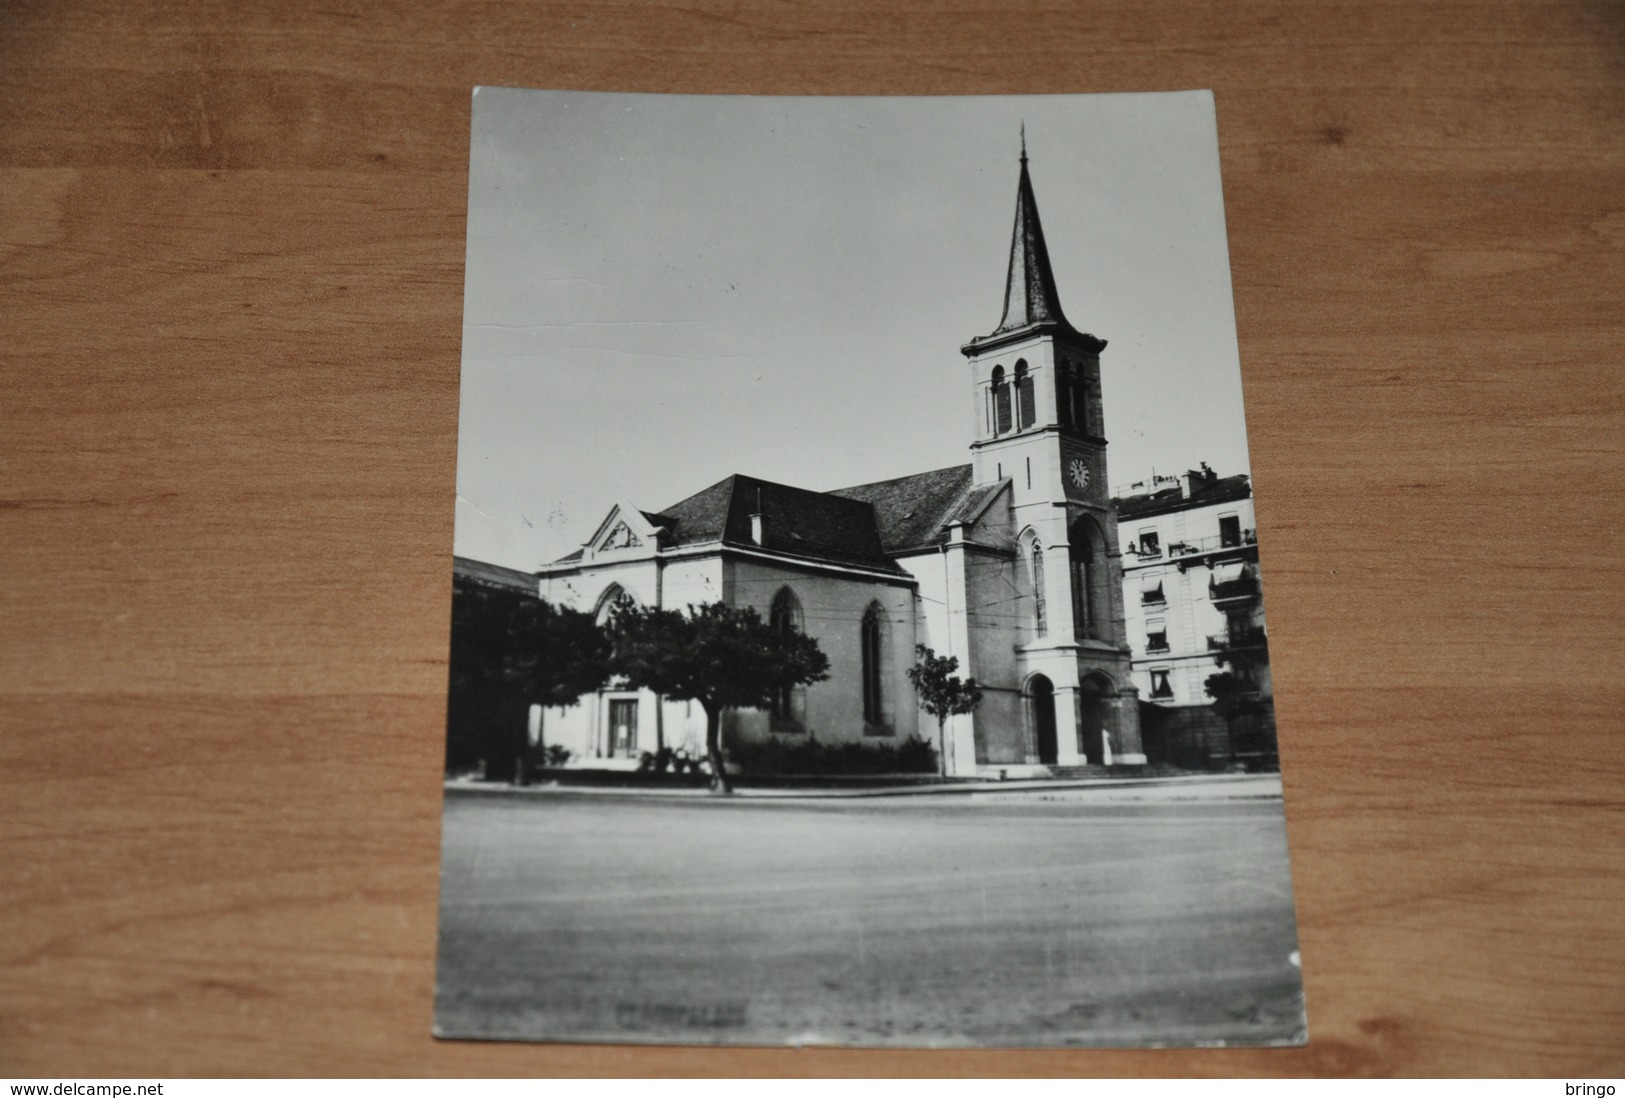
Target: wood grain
x,y
232,239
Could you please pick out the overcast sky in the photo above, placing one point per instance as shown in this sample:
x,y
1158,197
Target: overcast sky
x,y
664,290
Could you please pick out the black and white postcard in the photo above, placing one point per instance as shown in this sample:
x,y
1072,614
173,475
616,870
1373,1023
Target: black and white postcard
x,y
857,629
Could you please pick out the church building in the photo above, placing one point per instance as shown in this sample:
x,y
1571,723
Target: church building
x,y
1011,562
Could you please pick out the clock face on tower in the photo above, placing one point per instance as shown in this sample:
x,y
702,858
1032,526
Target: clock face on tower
x,y
1077,470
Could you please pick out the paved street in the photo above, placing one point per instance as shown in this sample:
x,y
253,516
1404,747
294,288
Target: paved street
x,y
928,920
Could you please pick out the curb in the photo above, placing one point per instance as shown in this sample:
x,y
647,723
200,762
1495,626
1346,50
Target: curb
x,y
1032,786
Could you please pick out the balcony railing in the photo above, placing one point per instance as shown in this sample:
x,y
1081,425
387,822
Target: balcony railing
x,y
1192,546
1242,587
1240,638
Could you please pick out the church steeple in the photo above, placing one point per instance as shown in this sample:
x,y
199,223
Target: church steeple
x,y
1031,301
1029,290
1036,379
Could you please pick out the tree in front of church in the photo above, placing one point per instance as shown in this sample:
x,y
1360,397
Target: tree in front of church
x,y
942,693
510,651
555,655
721,656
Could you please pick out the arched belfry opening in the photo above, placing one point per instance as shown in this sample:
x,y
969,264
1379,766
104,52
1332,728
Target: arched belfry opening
x,y
998,403
1026,408
1043,741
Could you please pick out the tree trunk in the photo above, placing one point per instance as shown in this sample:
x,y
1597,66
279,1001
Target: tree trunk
x,y
516,720
942,744
713,749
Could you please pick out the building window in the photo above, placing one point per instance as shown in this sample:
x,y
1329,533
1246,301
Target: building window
x,y
1001,402
1160,686
1156,635
1150,543
1232,581
785,617
1040,612
1229,531
870,638
1026,414
1151,593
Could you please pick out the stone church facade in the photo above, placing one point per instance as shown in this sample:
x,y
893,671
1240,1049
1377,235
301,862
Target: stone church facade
x,y
1010,562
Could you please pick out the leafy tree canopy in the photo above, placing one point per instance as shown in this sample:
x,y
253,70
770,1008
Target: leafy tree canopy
x,y
723,657
556,654
720,656
941,692
508,651
1232,695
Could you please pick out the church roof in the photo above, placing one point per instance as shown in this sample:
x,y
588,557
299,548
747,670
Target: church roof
x,y
702,516
1031,301
912,511
862,525
795,521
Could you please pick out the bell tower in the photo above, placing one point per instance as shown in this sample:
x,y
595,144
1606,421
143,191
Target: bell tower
x,y
1039,425
1035,380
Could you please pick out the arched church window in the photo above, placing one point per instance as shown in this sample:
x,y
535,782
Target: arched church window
x,y
612,595
1001,402
785,617
786,613
1040,613
1086,550
1026,413
870,636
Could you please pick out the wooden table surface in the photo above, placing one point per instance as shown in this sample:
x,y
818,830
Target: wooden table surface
x,y
231,296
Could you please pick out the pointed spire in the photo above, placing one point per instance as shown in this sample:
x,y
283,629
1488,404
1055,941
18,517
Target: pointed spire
x,y
1031,303
1029,290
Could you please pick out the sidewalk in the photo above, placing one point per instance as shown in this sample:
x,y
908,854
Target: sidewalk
x,y
1198,787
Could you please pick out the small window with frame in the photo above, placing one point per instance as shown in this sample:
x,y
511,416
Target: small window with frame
x,y
1156,635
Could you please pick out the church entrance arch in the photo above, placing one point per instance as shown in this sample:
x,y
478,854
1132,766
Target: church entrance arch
x,y
1041,718
1094,718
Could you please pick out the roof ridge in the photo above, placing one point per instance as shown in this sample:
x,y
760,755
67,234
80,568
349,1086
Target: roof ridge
x,y
666,511
894,480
